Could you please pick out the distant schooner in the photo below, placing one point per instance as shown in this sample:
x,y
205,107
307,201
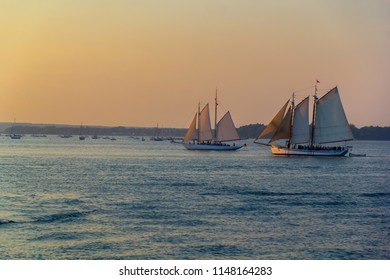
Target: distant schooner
x,y
200,136
329,125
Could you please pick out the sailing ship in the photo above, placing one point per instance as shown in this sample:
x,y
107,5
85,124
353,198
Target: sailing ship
x,y
329,125
201,137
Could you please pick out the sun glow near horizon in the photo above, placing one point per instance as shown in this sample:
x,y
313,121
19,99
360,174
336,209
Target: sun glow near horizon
x,y
139,63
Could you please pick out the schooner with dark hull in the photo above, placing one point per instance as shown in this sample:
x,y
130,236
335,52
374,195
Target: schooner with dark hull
x,y
329,125
201,137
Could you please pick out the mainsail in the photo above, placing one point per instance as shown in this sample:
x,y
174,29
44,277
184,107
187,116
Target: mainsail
x,y
301,129
331,124
205,133
226,131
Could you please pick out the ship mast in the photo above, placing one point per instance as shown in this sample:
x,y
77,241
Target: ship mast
x,y
291,120
314,115
215,117
198,122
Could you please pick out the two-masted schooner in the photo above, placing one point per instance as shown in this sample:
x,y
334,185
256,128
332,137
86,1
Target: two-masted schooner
x,y
201,137
329,125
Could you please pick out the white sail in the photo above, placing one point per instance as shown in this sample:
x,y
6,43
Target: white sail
x,y
284,130
301,129
205,133
226,131
273,126
331,124
191,132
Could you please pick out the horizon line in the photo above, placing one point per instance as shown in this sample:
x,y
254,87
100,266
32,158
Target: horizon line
x,y
130,126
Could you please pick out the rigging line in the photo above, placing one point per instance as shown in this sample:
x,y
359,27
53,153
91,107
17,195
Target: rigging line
x,y
220,106
224,111
189,119
303,89
324,89
299,97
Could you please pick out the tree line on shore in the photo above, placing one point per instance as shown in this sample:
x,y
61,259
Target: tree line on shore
x,y
94,130
364,133
245,132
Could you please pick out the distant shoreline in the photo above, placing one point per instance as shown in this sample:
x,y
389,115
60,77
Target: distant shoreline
x,y
364,133
245,132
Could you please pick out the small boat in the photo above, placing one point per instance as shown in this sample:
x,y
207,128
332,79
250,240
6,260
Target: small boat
x,y
156,138
329,125
157,135
200,136
14,135
177,140
356,155
81,137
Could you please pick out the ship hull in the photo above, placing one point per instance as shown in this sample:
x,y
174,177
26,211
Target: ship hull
x,y
15,136
283,151
211,147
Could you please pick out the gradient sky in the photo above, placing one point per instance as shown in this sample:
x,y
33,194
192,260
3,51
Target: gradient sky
x,y
139,63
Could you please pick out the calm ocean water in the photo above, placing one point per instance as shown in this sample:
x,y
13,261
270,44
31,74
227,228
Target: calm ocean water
x,y
128,199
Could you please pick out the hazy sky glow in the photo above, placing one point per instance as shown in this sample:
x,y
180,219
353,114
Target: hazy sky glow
x,y
139,63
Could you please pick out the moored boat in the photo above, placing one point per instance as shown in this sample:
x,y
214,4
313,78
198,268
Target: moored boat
x,y
81,137
13,135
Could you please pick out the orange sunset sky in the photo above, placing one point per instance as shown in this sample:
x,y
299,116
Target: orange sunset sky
x,y
142,62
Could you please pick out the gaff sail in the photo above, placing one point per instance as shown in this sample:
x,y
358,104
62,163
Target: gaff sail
x,y
226,131
331,124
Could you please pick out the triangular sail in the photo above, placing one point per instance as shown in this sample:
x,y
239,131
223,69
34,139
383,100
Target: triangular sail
x,y
284,129
226,131
191,132
273,126
301,129
205,133
331,124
